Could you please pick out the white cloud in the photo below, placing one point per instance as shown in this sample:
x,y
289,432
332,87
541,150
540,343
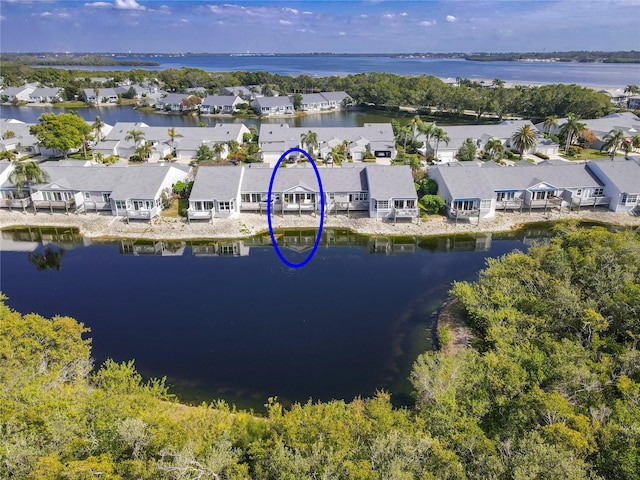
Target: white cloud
x,y
2,18
128,5
451,18
285,22
388,15
427,23
184,20
342,33
404,14
306,12
290,10
364,15
98,5
46,14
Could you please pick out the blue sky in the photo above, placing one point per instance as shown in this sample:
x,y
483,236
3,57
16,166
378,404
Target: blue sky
x,y
318,26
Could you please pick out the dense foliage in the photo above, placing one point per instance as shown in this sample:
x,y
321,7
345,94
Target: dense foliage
x,y
551,390
423,92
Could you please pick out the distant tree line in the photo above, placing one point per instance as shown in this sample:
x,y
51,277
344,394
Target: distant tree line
x,y
424,93
632,56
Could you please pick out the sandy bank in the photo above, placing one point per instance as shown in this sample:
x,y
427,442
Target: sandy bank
x,y
104,225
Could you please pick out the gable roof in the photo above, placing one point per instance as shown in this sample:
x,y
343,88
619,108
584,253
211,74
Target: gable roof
x,y
387,182
221,183
143,182
624,174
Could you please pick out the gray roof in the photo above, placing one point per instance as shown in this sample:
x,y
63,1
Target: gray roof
x,y
221,183
335,96
174,98
625,121
81,178
273,101
625,174
313,98
142,182
473,181
221,100
45,92
280,137
386,182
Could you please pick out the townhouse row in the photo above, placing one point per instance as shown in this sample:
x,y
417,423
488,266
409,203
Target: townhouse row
x,y
478,191
136,192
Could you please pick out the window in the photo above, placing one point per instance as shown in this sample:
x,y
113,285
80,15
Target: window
x,y
465,205
598,192
207,205
398,203
224,206
105,197
629,199
411,204
542,195
245,198
382,204
121,205
87,195
505,196
485,204
360,197
579,192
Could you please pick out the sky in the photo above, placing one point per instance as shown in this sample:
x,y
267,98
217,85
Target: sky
x,y
281,26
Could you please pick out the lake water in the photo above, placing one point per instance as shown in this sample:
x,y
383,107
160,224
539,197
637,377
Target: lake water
x,y
228,320
113,114
595,74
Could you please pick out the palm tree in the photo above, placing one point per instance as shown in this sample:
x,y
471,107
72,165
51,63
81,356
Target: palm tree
x,y
173,135
524,139
635,141
135,135
570,128
612,141
416,124
310,139
98,124
144,150
550,122
217,149
497,82
336,154
26,173
440,136
233,146
403,133
50,259
10,155
427,130
495,148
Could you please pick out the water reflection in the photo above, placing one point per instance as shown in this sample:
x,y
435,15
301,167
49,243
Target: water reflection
x,y
297,241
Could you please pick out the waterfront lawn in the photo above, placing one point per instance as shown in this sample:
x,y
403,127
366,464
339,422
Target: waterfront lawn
x,y
70,104
589,154
177,210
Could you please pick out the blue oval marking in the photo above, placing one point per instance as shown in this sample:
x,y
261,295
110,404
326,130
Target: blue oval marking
x,y
273,238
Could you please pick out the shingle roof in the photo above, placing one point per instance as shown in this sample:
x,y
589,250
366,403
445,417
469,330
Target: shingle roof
x,y
387,182
625,174
82,178
141,182
221,183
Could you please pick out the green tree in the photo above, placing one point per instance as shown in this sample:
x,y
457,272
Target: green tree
x,y
8,134
135,135
495,149
143,151
570,128
612,142
297,101
10,155
205,153
233,146
432,204
550,122
336,155
310,139
97,126
61,132
467,151
440,136
26,173
524,139
173,135
218,149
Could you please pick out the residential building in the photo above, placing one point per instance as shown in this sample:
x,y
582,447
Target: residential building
x,y
476,191
18,94
268,106
97,96
220,103
178,102
382,191
376,138
480,135
45,95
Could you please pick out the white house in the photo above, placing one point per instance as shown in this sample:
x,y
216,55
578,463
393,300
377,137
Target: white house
x,y
45,95
268,106
17,94
621,180
383,191
220,103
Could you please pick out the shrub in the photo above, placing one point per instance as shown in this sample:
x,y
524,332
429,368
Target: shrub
x,y
432,204
574,150
541,155
444,336
426,186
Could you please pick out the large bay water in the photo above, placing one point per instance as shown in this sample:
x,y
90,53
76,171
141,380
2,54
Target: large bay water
x,y
594,74
224,319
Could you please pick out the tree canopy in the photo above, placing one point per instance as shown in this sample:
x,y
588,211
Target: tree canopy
x,y
550,389
61,132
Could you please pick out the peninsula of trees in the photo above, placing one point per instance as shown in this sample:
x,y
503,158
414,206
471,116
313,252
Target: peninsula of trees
x,y
550,389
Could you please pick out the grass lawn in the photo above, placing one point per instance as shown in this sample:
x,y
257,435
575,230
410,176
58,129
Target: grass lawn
x,y
590,154
69,104
177,210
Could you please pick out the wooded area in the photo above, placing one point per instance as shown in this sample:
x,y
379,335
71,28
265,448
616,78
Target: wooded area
x,y
550,389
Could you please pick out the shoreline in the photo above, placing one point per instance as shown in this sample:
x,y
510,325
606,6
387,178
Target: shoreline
x,y
104,226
